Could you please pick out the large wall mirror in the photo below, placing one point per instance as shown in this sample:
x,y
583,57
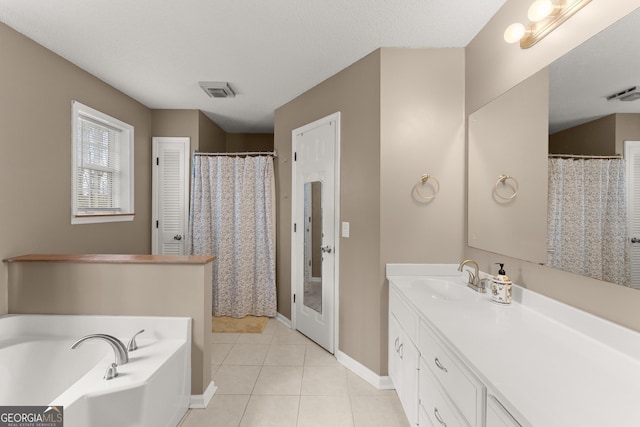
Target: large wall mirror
x,y
580,170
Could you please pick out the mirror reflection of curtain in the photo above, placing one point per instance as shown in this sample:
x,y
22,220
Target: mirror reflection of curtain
x,y
232,217
587,218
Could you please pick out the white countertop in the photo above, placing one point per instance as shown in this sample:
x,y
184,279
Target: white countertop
x,y
548,363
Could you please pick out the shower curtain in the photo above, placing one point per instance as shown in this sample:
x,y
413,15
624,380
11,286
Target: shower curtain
x,y
587,218
232,217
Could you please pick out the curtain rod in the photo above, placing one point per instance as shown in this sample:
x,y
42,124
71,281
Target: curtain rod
x,y
577,156
240,153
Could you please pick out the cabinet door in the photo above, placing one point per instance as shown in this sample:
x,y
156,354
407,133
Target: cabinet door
x,y
497,416
410,362
394,354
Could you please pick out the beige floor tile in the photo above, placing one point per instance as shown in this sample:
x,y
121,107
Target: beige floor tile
x,y
224,337
279,380
272,325
285,355
378,411
246,354
223,411
318,356
236,379
219,352
289,336
325,411
324,381
255,339
271,411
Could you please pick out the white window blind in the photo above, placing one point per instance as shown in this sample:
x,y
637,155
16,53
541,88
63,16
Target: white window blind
x,y
98,171
102,167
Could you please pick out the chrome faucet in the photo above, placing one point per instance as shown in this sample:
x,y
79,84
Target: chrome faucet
x,y
474,277
119,350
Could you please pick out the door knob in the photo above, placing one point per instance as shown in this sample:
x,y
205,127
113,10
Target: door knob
x,y
635,240
177,237
326,249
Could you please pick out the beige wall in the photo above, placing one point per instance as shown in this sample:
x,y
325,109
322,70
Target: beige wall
x,y
205,135
401,116
37,87
627,129
355,92
595,138
493,67
249,142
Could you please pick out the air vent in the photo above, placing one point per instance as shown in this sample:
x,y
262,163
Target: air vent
x,y
630,94
218,89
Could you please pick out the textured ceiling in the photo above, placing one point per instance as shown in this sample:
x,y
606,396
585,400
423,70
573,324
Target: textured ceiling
x,y
582,79
270,51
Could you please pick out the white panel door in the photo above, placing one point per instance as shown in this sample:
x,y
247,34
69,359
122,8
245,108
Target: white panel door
x,y
632,161
314,237
170,195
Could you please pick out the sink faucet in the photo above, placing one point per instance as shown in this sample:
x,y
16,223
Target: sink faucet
x,y
474,277
118,347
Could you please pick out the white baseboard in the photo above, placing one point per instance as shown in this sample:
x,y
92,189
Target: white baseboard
x,y
201,401
379,382
283,319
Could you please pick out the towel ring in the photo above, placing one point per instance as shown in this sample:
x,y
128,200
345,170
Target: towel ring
x,y
423,179
501,180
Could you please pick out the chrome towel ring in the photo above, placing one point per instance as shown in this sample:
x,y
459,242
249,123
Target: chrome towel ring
x,y
422,181
502,180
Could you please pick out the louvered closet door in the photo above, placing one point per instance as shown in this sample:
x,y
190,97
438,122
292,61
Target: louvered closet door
x,y
170,195
632,160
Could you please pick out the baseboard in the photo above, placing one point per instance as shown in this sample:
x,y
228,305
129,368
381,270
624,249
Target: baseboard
x,y
201,401
379,382
283,319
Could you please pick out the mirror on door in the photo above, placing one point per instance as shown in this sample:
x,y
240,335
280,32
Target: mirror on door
x,y
313,245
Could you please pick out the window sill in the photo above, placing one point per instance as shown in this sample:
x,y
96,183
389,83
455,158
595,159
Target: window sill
x,y
96,219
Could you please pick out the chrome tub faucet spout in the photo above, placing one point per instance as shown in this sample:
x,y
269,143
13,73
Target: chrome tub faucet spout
x,y
119,349
474,276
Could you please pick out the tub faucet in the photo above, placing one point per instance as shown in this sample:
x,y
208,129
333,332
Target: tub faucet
x,y
118,347
474,277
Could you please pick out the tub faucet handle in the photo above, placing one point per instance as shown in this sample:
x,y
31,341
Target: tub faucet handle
x,y
112,372
132,346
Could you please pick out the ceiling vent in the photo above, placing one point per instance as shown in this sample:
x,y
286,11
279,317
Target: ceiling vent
x,y
218,89
630,94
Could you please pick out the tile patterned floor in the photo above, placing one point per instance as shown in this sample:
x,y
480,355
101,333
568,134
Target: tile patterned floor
x,y
281,378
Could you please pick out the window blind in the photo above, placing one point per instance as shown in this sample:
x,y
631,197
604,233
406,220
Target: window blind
x,y
98,168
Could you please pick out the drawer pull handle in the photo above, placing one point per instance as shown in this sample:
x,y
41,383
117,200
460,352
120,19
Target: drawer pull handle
x,y
438,417
439,365
400,351
397,344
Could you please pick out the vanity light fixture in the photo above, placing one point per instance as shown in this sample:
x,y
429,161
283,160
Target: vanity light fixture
x,y
545,16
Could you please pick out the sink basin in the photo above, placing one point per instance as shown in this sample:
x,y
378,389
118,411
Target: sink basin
x,y
441,289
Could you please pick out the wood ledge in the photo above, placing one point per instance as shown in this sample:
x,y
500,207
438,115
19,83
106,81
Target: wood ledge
x,y
114,259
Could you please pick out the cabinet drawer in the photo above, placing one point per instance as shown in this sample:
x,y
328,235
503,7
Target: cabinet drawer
x,y
465,391
434,403
407,318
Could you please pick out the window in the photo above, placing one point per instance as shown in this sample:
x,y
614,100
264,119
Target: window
x,y
102,167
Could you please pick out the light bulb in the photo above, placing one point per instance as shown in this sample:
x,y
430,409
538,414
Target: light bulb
x,y
539,10
514,32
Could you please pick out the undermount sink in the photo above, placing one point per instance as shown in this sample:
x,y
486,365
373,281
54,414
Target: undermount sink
x,y
446,290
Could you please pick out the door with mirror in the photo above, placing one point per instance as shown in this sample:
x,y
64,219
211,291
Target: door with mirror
x,y
314,207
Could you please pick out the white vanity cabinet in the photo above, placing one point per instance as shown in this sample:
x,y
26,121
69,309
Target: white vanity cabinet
x,y
403,355
497,416
463,394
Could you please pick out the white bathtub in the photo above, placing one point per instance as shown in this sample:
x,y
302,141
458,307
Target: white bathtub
x,y
38,367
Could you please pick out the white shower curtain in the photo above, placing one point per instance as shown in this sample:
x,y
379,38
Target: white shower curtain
x,y
587,218
232,217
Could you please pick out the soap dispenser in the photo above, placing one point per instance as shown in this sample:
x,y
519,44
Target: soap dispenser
x,y
501,287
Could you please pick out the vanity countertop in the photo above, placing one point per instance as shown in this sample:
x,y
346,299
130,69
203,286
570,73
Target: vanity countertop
x,y
548,363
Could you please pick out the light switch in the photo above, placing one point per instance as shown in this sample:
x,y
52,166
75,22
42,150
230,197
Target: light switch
x,y
345,229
